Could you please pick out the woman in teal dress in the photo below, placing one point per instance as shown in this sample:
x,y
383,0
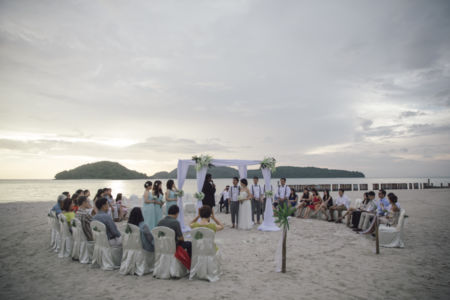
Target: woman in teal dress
x,y
147,207
158,201
171,197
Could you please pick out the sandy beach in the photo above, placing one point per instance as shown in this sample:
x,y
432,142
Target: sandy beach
x,y
325,261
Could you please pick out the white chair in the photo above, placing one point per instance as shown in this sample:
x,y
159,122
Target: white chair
x,y
51,220
166,265
135,260
82,248
104,256
392,237
205,264
66,237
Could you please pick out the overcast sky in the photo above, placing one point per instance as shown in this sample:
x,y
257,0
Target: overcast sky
x,y
356,85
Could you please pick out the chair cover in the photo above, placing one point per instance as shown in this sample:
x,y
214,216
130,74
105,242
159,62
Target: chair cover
x,y
66,237
51,220
135,260
166,265
57,230
392,237
82,248
205,264
104,256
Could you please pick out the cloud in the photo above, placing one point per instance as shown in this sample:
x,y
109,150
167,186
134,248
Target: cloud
x,y
408,114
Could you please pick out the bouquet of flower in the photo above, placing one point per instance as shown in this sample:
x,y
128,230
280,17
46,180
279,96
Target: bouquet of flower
x,y
179,193
268,194
241,198
199,196
269,163
202,161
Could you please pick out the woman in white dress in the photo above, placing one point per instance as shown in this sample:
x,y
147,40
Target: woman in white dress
x,y
245,207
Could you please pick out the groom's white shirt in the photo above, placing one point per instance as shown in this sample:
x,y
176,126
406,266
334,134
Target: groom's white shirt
x,y
283,192
256,191
234,193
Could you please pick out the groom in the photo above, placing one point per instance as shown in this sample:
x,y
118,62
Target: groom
x,y
234,202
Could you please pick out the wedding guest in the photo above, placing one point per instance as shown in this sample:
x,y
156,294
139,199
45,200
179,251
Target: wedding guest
x,y
112,232
234,202
342,203
315,204
136,218
75,202
87,194
57,208
356,211
245,208
67,194
305,200
80,192
148,210
112,206
171,222
209,189
223,203
293,199
282,194
362,217
327,202
97,196
83,214
390,216
67,210
121,209
205,214
382,203
257,200
170,196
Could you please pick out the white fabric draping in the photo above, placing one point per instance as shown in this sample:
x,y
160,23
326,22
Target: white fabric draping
x,y
243,172
201,175
269,222
183,166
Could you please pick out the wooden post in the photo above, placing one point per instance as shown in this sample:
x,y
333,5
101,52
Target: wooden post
x,y
377,240
283,257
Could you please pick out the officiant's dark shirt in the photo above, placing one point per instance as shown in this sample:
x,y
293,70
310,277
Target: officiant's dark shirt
x,y
173,224
209,190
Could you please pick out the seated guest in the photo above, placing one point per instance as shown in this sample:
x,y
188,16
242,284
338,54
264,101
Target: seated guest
x,y
83,214
342,203
111,229
136,218
75,202
57,208
351,210
205,214
67,194
171,222
80,192
122,209
390,217
315,204
382,203
223,203
327,202
67,210
293,198
367,208
87,194
305,200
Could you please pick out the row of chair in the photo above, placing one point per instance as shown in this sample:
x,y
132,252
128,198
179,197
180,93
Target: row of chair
x,y
131,258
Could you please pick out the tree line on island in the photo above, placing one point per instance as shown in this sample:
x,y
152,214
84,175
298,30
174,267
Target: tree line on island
x,y
114,170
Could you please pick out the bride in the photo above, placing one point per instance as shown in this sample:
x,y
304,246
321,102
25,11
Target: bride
x,y
245,207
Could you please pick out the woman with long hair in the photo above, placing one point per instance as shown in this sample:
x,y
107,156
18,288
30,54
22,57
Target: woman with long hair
x,y
315,204
304,202
136,218
171,197
121,208
327,201
147,207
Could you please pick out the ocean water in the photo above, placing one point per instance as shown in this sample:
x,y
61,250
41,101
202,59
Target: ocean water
x,y
48,190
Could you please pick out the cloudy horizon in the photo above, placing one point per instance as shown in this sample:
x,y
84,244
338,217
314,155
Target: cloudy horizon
x,y
352,85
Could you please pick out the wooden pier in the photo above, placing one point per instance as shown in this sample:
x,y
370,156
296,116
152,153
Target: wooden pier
x,y
365,186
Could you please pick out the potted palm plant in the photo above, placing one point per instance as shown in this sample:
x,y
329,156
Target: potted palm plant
x,y
282,214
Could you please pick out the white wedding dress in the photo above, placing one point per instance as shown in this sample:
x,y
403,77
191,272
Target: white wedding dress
x,y
245,213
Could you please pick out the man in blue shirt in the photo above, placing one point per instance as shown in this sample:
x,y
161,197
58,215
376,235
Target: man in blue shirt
x,y
111,229
57,207
382,203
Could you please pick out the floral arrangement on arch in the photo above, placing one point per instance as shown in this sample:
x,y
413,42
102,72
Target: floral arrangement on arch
x,y
202,161
269,163
199,196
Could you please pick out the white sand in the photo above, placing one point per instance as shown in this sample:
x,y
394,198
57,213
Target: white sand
x,y
325,261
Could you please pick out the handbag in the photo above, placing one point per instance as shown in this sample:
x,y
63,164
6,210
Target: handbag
x,y
183,257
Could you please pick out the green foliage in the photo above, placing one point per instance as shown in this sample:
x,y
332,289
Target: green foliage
x,y
160,234
198,235
127,229
101,170
281,213
95,229
288,172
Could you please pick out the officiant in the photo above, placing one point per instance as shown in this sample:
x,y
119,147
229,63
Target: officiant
x,y
209,189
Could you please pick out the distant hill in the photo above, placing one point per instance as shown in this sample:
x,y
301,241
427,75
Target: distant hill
x,y
101,170
283,171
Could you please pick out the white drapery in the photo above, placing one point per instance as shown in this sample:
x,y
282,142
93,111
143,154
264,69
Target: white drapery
x,y
183,166
269,222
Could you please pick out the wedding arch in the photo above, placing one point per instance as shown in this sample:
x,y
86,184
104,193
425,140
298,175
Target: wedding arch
x,y
202,163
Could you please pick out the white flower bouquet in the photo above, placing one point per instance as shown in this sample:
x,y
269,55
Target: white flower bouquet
x,y
269,163
202,161
241,198
199,196
179,193
268,194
